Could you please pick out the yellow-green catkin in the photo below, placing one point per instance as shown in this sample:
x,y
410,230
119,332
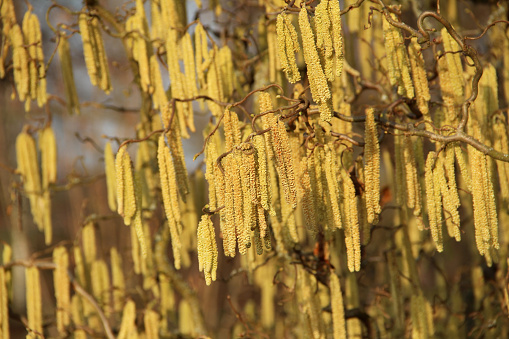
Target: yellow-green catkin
x,y
118,280
450,194
4,304
419,76
94,52
328,38
207,249
352,227
37,69
397,59
64,53
33,302
372,167
111,183
126,199
338,309
485,213
48,147
170,196
20,63
284,162
26,155
128,325
317,80
288,45
62,288
434,202
454,66
413,186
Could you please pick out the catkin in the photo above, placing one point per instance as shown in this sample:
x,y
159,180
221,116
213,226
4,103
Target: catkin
x,y
352,228
284,162
454,66
397,59
20,63
101,284
48,147
434,205
26,155
33,301
159,95
328,37
501,143
372,167
288,45
338,310
317,79
118,280
94,52
207,249
4,304
170,196
111,184
62,288
88,241
151,322
419,76
128,326
64,53
126,199
330,168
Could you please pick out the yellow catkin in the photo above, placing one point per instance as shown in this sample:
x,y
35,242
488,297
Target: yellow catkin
x,y
317,79
207,249
179,161
328,37
33,38
111,184
228,213
126,199
33,301
288,45
170,196
210,158
434,205
101,284
419,76
159,95
4,304
338,309
78,317
128,326
238,203
454,66
352,227
264,191
330,168
20,62
30,40
231,129
26,155
137,219
48,147
397,59
141,48
450,195
118,280
62,288
151,322
284,162
64,53
413,186
88,240
79,267
372,167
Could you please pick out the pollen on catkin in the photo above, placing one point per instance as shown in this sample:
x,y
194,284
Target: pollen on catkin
x,y
419,76
64,53
434,205
207,249
288,45
33,300
333,189
20,63
126,199
317,79
284,162
338,308
372,167
62,288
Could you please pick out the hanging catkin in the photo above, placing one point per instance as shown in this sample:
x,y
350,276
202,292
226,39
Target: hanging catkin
x,y
207,249
284,162
419,76
434,205
33,301
20,63
111,184
372,167
126,199
4,305
48,147
317,79
64,53
288,45
338,309
62,288
118,280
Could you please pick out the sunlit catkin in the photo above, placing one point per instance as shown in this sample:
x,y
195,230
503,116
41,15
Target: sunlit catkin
x,y
88,241
317,79
118,280
151,322
48,147
126,199
372,167
170,196
4,305
454,66
20,63
26,155
33,301
101,284
128,326
434,205
328,37
111,183
352,227
338,309
207,249
284,162
33,39
419,76
62,287
64,53
332,183
501,143
288,45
